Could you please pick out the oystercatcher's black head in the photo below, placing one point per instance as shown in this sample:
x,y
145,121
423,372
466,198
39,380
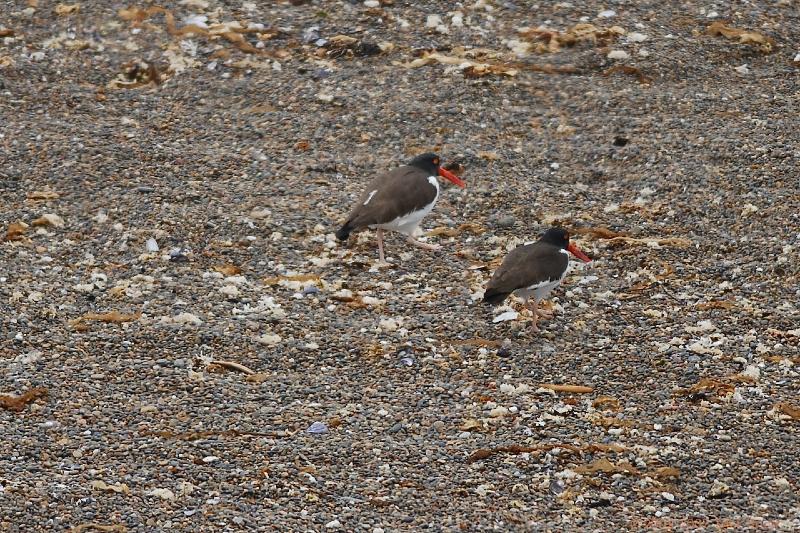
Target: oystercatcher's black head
x,y
560,237
431,163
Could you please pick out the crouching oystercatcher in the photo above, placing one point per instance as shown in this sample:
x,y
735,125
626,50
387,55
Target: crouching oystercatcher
x,y
534,270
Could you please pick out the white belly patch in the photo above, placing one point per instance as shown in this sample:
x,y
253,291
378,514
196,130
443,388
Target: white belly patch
x,y
542,289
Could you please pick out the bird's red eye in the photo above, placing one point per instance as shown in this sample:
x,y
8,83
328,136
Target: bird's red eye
x,y
436,161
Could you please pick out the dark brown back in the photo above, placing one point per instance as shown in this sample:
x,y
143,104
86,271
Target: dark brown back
x,y
528,265
399,192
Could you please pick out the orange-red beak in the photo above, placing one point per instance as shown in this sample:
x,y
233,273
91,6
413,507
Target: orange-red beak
x,y
577,253
446,174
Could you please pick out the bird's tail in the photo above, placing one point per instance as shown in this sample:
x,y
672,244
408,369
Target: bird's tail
x,y
494,297
344,231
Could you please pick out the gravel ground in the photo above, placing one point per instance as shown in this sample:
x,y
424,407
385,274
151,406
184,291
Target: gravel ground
x,y
169,196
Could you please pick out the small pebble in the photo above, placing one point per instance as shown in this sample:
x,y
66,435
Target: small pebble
x,y
506,222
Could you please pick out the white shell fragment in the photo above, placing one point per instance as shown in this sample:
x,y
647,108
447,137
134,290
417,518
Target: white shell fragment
x,y
505,317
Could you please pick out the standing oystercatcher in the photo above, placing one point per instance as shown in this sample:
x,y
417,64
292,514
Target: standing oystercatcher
x,y
399,200
533,269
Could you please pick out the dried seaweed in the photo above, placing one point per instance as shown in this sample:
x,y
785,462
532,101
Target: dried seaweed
x,y
119,488
716,304
453,232
472,68
230,32
577,389
611,236
706,389
18,403
599,232
761,42
136,74
238,40
110,317
547,41
781,358
485,453
66,9
228,270
547,68
257,378
48,220
346,46
792,333
472,425
477,341
94,526
480,70
647,283
232,365
676,242
489,156
15,231
34,196
605,466
788,409
606,403
609,421
297,277
666,472
197,435
138,15
630,71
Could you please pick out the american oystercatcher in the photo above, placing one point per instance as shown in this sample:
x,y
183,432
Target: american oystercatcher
x,y
399,200
533,270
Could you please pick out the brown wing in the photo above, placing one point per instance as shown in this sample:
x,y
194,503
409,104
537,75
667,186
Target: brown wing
x,y
528,265
392,195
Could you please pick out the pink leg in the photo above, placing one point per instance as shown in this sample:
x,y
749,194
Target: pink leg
x,y
533,307
380,246
423,245
543,313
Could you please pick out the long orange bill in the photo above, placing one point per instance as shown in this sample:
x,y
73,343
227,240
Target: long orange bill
x,y
577,253
446,174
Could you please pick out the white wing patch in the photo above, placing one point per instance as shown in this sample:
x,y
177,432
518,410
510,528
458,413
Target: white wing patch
x,y
370,196
433,181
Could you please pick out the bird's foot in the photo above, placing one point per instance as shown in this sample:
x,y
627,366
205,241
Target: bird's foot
x,y
546,313
424,245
